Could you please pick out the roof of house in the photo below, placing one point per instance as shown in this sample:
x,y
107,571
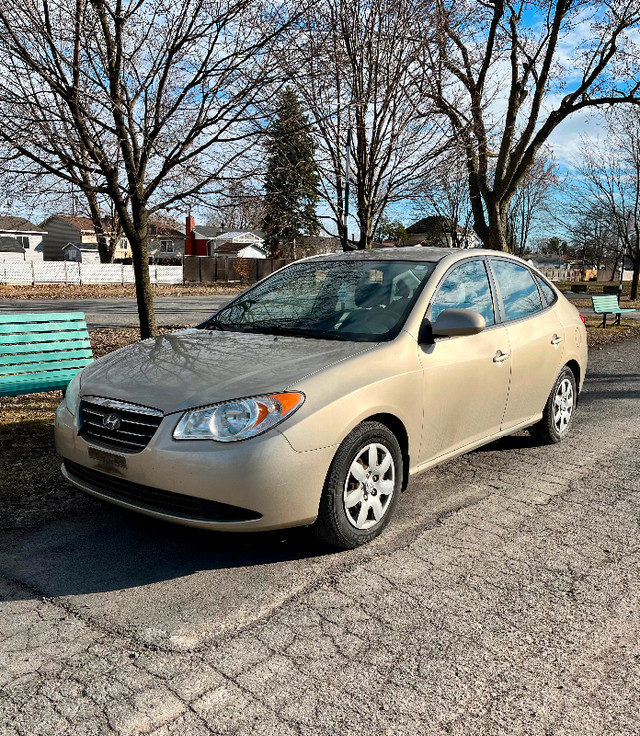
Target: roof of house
x,y
165,231
82,246
10,245
80,223
235,248
18,224
165,227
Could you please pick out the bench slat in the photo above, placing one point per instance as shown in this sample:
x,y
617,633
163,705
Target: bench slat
x,y
31,327
20,319
24,371
41,337
20,360
36,383
44,347
42,351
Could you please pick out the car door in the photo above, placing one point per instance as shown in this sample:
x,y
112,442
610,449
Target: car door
x,y
466,379
536,340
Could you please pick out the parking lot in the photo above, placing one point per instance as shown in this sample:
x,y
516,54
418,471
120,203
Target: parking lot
x,y
504,599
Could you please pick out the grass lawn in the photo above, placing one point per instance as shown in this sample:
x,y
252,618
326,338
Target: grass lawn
x,y
31,486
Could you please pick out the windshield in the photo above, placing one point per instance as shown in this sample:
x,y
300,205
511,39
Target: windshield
x,y
336,300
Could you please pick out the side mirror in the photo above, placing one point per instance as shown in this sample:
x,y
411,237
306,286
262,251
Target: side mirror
x,y
457,323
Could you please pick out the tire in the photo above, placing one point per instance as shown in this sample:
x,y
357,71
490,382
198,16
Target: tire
x,y
357,503
559,410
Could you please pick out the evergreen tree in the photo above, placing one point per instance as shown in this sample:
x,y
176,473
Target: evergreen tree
x,y
291,181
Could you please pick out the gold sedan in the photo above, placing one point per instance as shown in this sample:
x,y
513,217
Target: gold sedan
x,y
313,396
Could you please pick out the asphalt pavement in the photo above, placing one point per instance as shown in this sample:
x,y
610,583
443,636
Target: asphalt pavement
x,y
123,312
503,599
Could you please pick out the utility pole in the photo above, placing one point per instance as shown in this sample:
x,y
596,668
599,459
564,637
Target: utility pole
x,y
347,166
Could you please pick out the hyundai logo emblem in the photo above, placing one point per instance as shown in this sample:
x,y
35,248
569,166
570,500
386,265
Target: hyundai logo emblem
x,y
111,422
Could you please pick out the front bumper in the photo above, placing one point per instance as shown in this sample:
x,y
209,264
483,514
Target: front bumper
x,y
265,476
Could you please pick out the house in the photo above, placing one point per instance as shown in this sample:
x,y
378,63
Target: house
x,y
11,249
65,230
204,240
81,252
439,231
23,233
542,261
166,241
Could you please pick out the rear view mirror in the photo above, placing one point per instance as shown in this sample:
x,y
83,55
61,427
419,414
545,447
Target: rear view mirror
x,y
457,323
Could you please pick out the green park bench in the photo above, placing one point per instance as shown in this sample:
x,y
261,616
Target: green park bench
x,y
608,304
41,352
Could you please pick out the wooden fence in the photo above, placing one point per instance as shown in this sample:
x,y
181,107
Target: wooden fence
x,y
221,269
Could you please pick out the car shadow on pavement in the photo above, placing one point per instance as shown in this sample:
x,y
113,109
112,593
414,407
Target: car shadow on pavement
x,y
113,549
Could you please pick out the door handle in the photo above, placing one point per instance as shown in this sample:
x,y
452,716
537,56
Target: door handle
x,y
556,340
500,357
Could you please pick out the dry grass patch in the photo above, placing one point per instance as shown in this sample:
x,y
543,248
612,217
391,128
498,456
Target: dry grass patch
x,y
97,291
598,337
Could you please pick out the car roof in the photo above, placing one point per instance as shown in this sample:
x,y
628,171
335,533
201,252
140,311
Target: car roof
x,y
407,253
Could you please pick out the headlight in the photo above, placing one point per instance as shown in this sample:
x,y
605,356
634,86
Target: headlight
x,y
71,394
238,419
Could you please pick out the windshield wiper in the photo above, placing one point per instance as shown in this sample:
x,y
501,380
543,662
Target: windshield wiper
x,y
213,324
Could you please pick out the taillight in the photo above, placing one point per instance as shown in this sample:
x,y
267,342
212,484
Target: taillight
x,y
582,318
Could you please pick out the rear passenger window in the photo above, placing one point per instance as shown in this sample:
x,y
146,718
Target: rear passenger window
x,y
520,294
548,294
466,287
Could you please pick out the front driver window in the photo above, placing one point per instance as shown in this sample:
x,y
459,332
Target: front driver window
x,y
466,287
520,294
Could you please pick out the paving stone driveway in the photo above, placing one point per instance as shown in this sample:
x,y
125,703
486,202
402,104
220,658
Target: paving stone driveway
x,y
506,601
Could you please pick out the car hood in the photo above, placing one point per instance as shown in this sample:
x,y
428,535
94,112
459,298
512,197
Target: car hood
x,y
194,367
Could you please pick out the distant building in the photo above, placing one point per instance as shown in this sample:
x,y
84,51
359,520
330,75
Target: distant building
x,y
20,239
11,249
166,241
438,231
69,230
205,240
81,252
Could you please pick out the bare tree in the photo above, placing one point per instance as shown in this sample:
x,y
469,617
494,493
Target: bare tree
x,y
445,193
240,206
357,68
146,103
610,183
505,83
531,201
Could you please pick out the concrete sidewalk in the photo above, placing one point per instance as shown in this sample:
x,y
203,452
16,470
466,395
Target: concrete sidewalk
x,y
504,599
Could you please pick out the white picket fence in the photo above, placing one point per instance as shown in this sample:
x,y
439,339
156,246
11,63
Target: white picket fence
x,y
70,272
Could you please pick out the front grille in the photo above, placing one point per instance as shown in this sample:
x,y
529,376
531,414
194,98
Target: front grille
x,y
117,425
155,499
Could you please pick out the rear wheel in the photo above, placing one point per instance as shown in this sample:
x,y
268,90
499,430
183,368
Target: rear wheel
x,y
558,412
362,487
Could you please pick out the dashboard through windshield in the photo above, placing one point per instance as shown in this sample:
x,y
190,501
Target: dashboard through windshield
x,y
366,301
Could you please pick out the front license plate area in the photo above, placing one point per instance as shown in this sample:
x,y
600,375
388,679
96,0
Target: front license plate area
x,y
108,462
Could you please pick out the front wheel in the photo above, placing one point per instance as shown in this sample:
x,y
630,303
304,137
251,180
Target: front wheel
x,y
362,487
558,412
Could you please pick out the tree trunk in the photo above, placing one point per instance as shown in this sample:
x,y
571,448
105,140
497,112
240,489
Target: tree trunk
x,y
138,239
496,235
